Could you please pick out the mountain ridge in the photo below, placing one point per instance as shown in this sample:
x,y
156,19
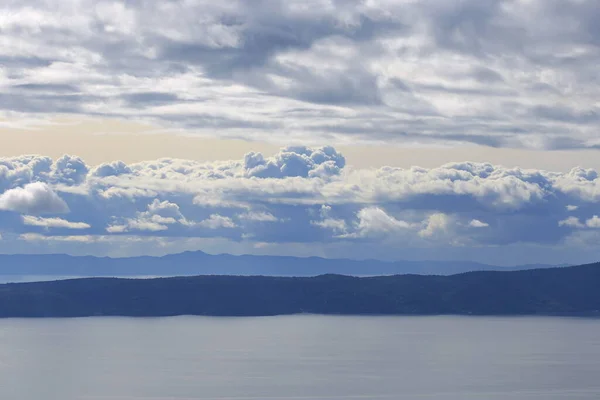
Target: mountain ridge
x,y
191,263
548,291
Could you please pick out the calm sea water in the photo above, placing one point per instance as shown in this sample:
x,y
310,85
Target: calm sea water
x,y
300,357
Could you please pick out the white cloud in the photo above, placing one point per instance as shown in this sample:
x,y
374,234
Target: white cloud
x,y
258,216
18,171
33,198
158,215
114,168
118,228
395,208
475,223
35,237
53,223
299,161
572,222
593,222
137,225
165,210
436,225
373,221
336,225
70,170
216,221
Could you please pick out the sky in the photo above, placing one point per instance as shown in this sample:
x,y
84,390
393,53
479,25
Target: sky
x,y
406,129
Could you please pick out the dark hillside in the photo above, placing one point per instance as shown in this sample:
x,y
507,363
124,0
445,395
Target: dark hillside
x,y
564,291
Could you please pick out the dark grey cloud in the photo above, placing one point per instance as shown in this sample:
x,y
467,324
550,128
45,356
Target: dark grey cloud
x,y
504,73
44,103
144,99
41,87
567,114
267,28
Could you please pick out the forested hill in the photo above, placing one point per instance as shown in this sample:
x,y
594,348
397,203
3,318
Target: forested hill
x,y
564,291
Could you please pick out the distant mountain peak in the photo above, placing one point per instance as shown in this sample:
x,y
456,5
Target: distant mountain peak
x,y
201,263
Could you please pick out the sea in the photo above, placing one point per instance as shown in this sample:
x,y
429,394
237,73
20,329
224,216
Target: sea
x,y
300,357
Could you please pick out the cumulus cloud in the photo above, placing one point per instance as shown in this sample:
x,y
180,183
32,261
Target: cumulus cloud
x,y
70,170
115,168
497,73
475,223
216,221
298,161
33,237
166,210
593,222
18,171
258,216
327,221
336,225
471,206
435,225
157,217
132,224
572,222
34,198
373,221
53,223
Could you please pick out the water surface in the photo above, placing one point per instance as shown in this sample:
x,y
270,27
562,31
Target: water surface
x,y
300,357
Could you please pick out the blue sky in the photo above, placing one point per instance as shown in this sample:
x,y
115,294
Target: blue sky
x,y
461,86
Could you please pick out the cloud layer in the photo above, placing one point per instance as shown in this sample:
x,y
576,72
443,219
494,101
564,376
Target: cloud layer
x,y
301,196
518,73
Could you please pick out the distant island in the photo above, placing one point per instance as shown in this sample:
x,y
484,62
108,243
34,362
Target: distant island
x,y
199,263
553,291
